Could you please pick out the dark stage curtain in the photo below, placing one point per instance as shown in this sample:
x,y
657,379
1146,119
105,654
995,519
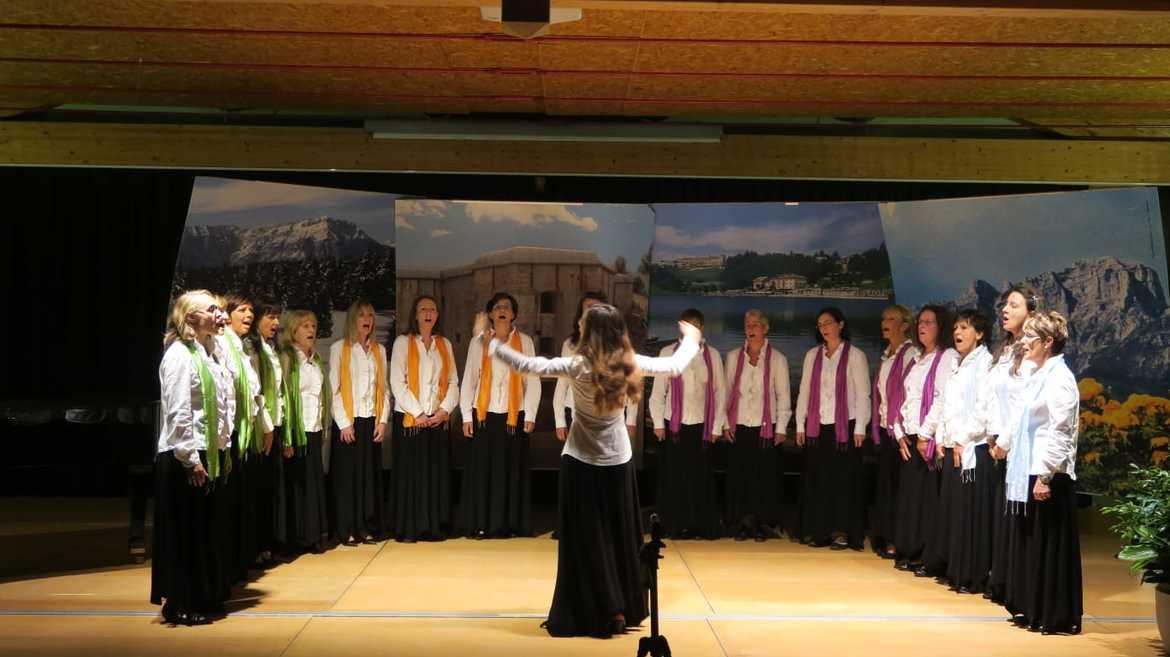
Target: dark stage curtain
x,y
89,256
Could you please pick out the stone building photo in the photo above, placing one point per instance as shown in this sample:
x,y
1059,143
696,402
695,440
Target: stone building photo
x,y
546,255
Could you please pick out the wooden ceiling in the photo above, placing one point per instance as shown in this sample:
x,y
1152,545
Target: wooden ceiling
x,y
1081,67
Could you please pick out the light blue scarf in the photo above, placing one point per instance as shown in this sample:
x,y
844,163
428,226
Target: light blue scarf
x,y
1020,457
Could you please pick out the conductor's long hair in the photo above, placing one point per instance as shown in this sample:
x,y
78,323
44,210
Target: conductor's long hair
x,y
605,345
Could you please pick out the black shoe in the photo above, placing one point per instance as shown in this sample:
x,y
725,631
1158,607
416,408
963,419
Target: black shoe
x,y
922,571
370,540
905,566
404,539
839,544
684,534
169,613
761,536
479,535
819,543
741,536
554,535
350,542
196,618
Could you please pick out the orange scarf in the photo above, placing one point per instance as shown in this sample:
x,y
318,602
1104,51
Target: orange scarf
x,y
485,386
412,371
347,388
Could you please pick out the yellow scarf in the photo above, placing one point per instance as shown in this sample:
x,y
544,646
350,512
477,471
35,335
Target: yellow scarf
x,y
412,371
485,386
347,388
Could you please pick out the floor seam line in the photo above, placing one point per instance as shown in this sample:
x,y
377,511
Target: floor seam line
x,y
296,636
718,639
694,579
357,576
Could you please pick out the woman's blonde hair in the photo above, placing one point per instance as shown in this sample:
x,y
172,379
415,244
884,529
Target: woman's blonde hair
x,y
605,345
178,326
1047,325
760,317
351,319
296,318
902,313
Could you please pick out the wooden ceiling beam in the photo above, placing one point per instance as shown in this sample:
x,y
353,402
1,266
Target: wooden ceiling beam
x,y
737,156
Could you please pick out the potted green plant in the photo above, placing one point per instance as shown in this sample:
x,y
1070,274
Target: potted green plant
x,y
1143,522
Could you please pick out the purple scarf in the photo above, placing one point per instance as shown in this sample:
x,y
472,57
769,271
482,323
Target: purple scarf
x,y
676,400
733,402
928,400
894,394
841,412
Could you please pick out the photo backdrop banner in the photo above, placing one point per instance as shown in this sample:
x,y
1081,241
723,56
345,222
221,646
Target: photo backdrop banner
x,y
313,248
787,260
545,254
1098,257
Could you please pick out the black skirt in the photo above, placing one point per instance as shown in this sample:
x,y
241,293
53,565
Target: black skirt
x,y
269,489
1044,587
754,484
421,482
355,474
884,518
831,492
913,478
1002,529
685,497
599,574
969,563
235,518
306,508
187,567
940,542
497,489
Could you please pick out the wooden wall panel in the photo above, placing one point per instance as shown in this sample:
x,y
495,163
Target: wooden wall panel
x,y
737,156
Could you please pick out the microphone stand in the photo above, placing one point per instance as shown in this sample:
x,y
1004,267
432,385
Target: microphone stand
x,y
654,645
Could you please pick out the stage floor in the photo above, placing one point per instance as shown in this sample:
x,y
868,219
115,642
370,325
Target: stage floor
x,y
463,597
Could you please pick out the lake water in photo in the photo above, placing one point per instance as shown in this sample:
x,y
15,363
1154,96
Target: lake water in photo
x,y
792,321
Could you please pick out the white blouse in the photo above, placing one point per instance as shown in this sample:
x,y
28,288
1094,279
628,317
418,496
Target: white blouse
x,y
270,418
751,390
498,402
183,426
887,364
959,425
857,373
912,423
563,395
1052,406
224,352
310,378
595,438
694,378
430,365
363,369
998,398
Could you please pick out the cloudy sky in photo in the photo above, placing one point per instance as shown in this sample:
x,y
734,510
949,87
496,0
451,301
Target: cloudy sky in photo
x,y
439,234
248,203
692,229
938,248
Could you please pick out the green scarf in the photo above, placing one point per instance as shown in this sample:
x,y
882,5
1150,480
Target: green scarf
x,y
294,421
268,382
244,415
210,412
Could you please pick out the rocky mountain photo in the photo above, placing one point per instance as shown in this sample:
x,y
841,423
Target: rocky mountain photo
x,y
320,264
1118,317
